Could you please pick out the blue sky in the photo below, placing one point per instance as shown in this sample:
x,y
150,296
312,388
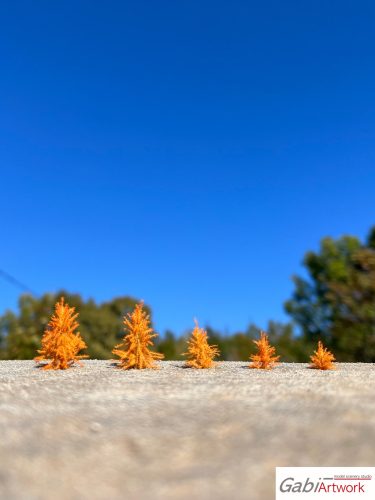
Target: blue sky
x,y
186,153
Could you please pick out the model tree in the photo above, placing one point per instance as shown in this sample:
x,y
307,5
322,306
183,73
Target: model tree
x,y
60,343
200,353
264,358
134,351
322,359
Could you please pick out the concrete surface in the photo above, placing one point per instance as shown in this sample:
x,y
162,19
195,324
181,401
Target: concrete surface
x,y
97,432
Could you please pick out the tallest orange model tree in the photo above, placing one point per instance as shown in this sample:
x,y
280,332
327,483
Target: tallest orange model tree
x,y
60,343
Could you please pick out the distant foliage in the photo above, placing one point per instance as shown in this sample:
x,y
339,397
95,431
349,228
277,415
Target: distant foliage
x,y
337,302
200,354
100,324
170,346
134,351
264,358
322,359
60,343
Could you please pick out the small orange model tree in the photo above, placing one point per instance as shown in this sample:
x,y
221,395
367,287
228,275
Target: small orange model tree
x,y
60,344
322,359
134,350
264,358
200,353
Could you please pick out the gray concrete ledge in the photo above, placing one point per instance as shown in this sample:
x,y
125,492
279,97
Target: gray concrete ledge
x,y
98,432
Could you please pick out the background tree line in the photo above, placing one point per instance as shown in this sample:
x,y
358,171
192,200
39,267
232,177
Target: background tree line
x,y
334,303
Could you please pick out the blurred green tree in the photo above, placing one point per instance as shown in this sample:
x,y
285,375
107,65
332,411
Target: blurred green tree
x,y
100,324
336,303
168,346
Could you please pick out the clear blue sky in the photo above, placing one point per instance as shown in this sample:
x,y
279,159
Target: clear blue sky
x,y
183,152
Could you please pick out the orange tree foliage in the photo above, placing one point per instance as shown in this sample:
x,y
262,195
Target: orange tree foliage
x,y
134,350
264,358
200,353
60,344
322,359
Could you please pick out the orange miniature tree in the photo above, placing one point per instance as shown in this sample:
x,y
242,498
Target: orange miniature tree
x,y
134,350
60,344
264,358
322,359
200,353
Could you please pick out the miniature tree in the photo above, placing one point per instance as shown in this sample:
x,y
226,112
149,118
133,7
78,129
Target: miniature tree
x,y
322,359
134,350
200,353
60,343
264,358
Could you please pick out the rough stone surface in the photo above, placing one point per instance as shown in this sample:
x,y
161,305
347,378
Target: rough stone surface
x,y
97,432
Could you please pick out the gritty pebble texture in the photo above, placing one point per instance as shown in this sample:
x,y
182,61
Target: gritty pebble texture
x,y
97,432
